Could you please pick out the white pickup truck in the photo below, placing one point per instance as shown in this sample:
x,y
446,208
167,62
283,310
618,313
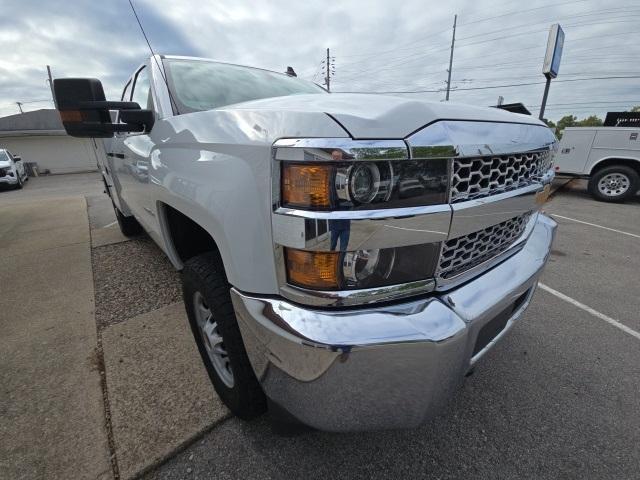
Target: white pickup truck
x,y
346,259
608,156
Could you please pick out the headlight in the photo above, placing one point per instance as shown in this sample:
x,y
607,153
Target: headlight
x,y
360,269
364,185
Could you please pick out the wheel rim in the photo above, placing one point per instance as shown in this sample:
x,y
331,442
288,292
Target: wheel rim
x,y
614,184
212,339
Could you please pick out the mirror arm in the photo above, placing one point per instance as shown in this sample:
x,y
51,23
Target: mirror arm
x,y
126,128
104,105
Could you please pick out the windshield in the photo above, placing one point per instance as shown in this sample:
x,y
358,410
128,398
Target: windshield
x,y
3,156
203,85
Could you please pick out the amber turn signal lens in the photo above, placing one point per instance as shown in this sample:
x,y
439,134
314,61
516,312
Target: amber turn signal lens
x,y
71,116
316,270
306,186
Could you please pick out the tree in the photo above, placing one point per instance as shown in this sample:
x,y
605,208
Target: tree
x,y
572,121
635,109
591,121
567,121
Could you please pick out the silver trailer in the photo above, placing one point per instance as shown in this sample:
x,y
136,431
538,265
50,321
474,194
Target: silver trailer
x,y
609,157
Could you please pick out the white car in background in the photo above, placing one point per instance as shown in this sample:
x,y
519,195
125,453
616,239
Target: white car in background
x,y
12,170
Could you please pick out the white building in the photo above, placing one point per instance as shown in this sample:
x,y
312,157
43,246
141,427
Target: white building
x,y
39,137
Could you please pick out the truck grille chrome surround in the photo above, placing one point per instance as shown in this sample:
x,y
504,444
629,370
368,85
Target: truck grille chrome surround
x,y
485,176
477,226
463,253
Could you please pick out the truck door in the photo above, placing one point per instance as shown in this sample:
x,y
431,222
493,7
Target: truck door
x,y
573,151
120,174
136,150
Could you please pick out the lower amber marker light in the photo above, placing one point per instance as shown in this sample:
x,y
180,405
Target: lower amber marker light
x,y
315,270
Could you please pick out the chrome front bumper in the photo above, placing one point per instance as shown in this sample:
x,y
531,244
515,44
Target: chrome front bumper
x,y
383,366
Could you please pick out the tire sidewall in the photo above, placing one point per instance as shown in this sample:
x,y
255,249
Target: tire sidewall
x,y
245,399
630,173
190,287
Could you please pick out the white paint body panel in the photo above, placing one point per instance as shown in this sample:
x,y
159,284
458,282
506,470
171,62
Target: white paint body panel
x,y
383,116
582,148
215,167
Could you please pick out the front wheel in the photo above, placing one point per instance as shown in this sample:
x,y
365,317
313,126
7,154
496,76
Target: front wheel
x,y
19,185
616,183
212,318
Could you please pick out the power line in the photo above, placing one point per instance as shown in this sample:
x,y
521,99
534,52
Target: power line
x,y
516,12
503,86
591,13
377,53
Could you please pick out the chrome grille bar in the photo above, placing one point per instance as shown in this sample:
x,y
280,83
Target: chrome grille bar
x,y
463,253
480,177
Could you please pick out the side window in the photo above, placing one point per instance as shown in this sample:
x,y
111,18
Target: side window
x,y
142,90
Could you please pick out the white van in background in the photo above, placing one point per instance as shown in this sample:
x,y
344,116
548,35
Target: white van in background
x,y
608,156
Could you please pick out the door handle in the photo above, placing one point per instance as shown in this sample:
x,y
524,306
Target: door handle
x,y
119,155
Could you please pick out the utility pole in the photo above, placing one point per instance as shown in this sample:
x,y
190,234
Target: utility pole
x,y
327,78
19,106
50,80
453,42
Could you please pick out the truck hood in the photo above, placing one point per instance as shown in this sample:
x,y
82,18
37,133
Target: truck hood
x,y
382,116
5,164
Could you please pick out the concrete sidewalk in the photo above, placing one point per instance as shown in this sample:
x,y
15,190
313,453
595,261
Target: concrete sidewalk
x,y
52,420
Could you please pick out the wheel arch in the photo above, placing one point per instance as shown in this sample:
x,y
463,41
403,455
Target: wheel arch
x,y
185,237
631,162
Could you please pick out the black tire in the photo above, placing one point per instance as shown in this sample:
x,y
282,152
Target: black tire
x,y
205,275
129,226
623,170
19,185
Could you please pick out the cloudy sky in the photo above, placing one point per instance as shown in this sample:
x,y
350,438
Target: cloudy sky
x,y
377,46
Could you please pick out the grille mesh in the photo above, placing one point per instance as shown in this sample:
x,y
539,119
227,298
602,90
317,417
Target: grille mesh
x,y
462,253
484,176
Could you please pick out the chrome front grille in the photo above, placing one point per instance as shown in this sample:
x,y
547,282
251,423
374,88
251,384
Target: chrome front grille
x,y
484,176
463,253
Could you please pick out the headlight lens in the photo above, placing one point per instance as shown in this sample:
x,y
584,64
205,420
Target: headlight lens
x,y
360,269
364,182
364,185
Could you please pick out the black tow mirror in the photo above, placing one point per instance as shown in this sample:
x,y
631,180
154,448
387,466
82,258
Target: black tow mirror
x,y
84,110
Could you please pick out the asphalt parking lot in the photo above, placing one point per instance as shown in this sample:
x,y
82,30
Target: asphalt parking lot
x,y
558,398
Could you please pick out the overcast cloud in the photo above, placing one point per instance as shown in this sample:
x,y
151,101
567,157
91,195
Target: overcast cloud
x,y
378,46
